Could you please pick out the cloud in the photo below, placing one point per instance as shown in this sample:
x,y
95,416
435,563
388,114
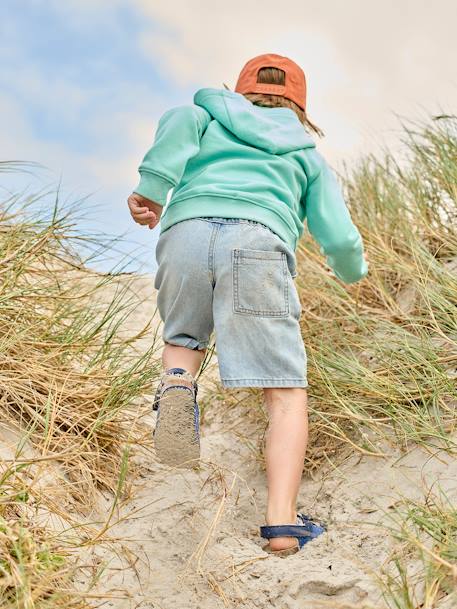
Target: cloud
x,y
80,113
86,110
364,60
84,82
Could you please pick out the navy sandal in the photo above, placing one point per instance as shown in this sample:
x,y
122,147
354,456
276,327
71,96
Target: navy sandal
x,y
304,530
177,431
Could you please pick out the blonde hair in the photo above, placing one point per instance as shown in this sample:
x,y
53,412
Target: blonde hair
x,y
275,76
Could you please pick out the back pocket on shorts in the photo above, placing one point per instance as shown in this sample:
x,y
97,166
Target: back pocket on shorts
x,y
260,283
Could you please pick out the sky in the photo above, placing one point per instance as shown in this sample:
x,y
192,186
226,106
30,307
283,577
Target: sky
x,y
83,84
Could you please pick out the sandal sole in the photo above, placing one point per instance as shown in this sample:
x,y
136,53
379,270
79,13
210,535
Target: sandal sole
x,y
175,439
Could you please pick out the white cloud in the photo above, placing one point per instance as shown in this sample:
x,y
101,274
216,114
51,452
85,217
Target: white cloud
x,y
364,60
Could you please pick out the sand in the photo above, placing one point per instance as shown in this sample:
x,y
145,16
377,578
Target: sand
x,y
190,538
193,535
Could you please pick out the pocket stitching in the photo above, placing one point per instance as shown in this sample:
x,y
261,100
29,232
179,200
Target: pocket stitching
x,y
237,256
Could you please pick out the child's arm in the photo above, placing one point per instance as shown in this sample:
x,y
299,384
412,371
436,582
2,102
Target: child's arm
x,y
330,223
177,140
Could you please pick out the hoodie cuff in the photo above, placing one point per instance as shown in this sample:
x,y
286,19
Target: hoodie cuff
x,y
353,276
153,187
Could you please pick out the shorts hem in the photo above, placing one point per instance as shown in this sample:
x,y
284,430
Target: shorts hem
x,y
264,383
190,343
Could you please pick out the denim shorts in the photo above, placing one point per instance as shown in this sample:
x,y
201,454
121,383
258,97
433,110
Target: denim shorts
x,y
235,277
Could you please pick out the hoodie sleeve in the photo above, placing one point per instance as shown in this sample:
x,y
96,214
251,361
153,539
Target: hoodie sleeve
x,y
330,223
176,141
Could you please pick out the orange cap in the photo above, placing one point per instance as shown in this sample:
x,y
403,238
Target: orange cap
x,y
295,81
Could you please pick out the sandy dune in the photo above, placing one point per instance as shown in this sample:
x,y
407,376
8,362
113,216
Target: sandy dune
x,y
192,536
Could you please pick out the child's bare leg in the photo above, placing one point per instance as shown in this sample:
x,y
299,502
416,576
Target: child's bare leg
x,y
182,357
286,441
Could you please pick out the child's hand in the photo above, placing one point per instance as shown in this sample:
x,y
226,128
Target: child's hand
x,y
144,211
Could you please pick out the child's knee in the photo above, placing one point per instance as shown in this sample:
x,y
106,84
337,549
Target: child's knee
x,y
285,397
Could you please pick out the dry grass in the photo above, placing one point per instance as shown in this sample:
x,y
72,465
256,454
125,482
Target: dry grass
x,y
66,374
37,565
71,381
382,353
422,570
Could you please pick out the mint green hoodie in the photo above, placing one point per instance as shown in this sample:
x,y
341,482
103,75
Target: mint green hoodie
x,y
225,157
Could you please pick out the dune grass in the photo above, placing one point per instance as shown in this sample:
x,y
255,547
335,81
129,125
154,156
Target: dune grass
x,y
422,569
383,352
36,566
72,386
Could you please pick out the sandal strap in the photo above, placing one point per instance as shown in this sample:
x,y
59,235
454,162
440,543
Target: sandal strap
x,y
304,530
287,530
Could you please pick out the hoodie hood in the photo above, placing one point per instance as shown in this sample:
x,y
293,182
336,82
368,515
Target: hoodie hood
x,y
275,130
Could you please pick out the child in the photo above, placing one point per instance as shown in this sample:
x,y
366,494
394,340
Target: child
x,y
245,174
